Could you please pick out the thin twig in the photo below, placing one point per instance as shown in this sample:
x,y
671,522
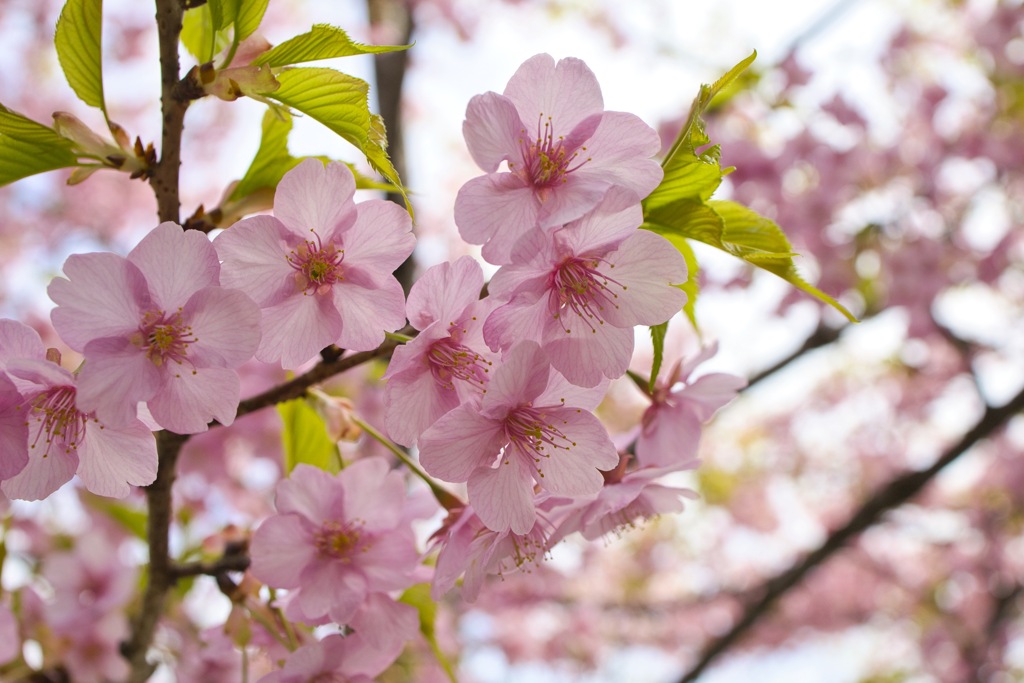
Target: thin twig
x,y
895,493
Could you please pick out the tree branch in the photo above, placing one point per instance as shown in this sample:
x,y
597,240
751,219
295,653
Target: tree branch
x,y
297,387
895,493
161,575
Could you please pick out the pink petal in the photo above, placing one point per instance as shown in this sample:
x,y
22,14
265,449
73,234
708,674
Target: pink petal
x,y
176,263
13,430
621,151
373,493
104,297
567,92
18,340
380,239
497,210
413,400
572,199
191,398
312,197
117,377
254,252
616,218
574,472
44,473
281,550
443,292
525,317
521,378
295,330
503,496
670,435
586,356
460,442
648,266
111,460
226,326
386,625
561,391
368,309
332,589
710,392
493,130
311,493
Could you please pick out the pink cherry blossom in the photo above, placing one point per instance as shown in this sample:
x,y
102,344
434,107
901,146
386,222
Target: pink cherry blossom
x,y
321,267
52,439
671,426
527,429
447,363
580,291
563,151
632,497
156,327
335,659
336,540
470,549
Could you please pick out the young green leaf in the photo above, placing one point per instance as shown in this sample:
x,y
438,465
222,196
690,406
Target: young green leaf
x,y
199,34
305,438
760,241
250,14
339,101
272,160
28,147
321,42
658,339
78,40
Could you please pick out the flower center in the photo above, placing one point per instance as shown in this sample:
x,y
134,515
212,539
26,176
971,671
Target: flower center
x,y
317,268
340,540
548,160
529,432
164,337
57,420
450,360
577,285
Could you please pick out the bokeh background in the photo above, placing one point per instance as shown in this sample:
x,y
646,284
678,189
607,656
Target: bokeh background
x,y
885,137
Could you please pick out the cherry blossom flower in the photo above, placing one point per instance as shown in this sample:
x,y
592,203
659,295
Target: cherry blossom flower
x,y
321,267
531,427
447,363
52,438
671,426
156,327
563,152
335,659
336,540
634,496
472,550
580,291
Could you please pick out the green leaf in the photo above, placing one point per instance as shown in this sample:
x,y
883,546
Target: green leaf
x,y
691,174
28,147
658,339
305,438
223,13
78,40
199,33
340,102
759,241
418,596
321,42
250,14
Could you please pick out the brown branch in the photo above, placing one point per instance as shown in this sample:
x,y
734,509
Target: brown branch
x,y
160,574
823,335
297,387
238,562
164,181
895,493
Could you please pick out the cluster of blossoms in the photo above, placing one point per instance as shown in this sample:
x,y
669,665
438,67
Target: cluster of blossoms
x,y
496,391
